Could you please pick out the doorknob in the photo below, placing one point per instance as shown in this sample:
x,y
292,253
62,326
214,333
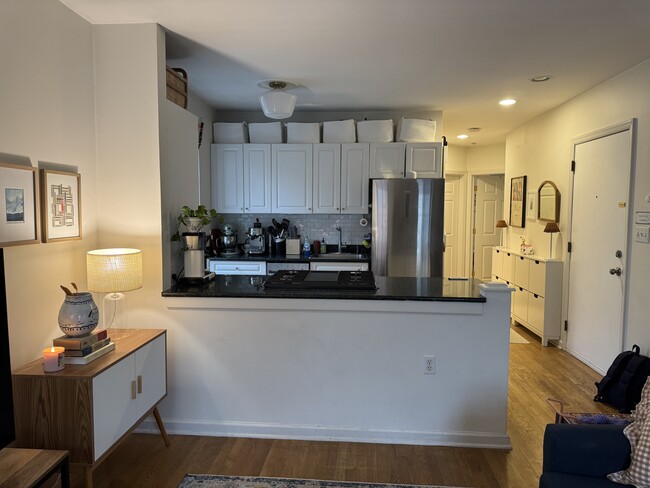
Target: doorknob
x,y
619,254
615,271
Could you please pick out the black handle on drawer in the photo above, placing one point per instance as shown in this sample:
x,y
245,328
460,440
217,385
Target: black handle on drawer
x,y
536,261
521,257
535,295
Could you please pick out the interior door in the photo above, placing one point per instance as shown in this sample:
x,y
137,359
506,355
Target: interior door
x,y
488,208
453,258
598,236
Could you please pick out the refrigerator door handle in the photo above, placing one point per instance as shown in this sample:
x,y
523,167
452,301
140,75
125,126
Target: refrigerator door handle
x,y
407,204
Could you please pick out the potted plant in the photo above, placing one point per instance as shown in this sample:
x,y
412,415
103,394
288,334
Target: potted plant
x,y
194,219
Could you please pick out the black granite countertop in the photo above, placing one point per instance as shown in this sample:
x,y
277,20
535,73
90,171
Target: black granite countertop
x,y
417,289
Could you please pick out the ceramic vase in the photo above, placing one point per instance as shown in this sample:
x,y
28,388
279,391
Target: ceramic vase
x,y
78,316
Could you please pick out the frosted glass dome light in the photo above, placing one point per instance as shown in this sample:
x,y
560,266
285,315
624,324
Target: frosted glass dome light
x,y
277,103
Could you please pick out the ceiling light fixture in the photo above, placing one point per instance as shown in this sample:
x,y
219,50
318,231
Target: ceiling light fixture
x,y
277,103
473,129
506,102
462,136
540,78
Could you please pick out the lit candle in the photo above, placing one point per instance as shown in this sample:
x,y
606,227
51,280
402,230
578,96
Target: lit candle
x,y
53,359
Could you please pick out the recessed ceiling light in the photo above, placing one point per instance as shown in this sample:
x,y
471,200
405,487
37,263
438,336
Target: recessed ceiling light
x,y
473,129
462,136
507,102
540,78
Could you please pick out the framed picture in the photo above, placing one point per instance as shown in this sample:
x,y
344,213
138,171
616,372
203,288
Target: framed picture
x,y
518,201
19,211
60,205
531,206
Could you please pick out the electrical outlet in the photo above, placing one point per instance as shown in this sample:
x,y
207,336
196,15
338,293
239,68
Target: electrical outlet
x,y
642,232
429,365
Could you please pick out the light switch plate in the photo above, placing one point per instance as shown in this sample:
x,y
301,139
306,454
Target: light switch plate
x,y
642,233
642,218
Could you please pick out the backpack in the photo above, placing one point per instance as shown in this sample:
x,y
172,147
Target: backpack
x,y
622,385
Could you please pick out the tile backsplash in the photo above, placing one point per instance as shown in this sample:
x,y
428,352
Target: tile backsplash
x,y
316,226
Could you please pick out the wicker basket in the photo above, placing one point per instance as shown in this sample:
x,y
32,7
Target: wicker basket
x,y
177,86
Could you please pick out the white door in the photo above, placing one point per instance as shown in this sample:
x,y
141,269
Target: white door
x,y
425,159
598,231
327,178
488,208
387,159
151,374
257,178
228,178
355,170
454,256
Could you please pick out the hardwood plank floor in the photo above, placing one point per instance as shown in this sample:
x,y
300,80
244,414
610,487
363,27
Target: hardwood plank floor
x,y
536,373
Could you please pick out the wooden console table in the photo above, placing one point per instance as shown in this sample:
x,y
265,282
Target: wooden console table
x,y
28,468
88,410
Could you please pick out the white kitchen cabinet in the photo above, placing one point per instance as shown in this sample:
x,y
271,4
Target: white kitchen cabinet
x,y
327,178
257,178
537,300
355,177
387,159
424,159
241,178
227,178
337,266
292,170
238,267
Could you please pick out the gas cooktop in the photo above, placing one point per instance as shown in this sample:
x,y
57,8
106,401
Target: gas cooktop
x,y
319,280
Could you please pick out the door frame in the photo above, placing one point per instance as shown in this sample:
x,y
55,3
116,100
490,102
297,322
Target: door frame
x,y
471,176
588,137
462,214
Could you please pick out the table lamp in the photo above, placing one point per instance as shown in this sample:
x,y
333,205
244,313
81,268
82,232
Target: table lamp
x,y
501,224
551,228
114,271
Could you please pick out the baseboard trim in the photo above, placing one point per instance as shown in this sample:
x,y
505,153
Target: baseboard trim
x,y
328,433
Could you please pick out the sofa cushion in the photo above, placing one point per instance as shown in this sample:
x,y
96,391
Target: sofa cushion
x,y
562,480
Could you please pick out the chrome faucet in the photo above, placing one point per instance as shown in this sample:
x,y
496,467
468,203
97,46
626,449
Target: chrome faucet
x,y
338,227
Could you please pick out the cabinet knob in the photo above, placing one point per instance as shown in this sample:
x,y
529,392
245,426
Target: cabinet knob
x,y
309,208
343,208
247,208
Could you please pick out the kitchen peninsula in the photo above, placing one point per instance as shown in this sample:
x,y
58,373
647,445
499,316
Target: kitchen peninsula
x,y
417,361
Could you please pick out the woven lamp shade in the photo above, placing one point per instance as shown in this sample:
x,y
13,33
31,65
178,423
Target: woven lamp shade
x,y
501,224
551,228
114,270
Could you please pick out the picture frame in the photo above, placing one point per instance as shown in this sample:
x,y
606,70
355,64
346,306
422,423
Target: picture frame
x,y
518,201
19,205
60,205
531,206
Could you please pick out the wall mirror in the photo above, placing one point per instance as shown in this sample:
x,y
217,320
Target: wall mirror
x,y
548,204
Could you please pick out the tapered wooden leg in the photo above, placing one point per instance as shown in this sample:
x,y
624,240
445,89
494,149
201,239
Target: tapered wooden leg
x,y
161,426
88,477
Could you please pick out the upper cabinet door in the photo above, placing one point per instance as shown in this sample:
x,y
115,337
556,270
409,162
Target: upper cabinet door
x,y
291,166
387,159
355,170
228,178
425,159
257,178
327,178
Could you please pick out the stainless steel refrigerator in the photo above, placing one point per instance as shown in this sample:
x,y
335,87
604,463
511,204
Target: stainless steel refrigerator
x,y
408,227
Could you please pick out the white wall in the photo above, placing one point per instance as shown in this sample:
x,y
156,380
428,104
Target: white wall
x,y
48,117
205,113
542,150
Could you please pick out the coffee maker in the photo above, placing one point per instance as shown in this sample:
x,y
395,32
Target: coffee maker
x,y
194,254
256,243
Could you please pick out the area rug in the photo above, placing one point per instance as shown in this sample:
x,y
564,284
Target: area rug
x,y
214,481
517,338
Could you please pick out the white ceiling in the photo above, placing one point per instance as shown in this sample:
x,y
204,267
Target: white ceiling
x,y
458,56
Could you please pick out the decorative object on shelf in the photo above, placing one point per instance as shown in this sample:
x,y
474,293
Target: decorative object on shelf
x,y
194,219
277,103
78,315
551,228
501,224
114,271
60,205
177,86
518,201
20,223
548,195
526,249
53,359
531,206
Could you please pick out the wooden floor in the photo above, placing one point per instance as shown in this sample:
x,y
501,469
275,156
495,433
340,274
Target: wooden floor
x,y
536,373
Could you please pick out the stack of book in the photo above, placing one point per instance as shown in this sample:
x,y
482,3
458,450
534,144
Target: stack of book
x,y
83,350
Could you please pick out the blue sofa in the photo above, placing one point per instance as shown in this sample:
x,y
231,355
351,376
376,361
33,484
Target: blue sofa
x,y
581,456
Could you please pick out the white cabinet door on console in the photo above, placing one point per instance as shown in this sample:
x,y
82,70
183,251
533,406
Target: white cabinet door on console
x,y
292,178
425,159
355,168
327,178
387,159
227,178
